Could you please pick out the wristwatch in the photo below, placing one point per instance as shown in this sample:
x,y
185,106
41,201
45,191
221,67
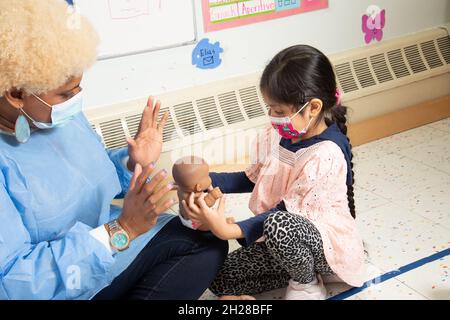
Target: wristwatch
x,y
118,237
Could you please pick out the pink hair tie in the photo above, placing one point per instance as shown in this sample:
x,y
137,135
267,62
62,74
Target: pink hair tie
x,y
338,97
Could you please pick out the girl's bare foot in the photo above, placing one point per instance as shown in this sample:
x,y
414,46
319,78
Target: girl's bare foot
x,y
243,297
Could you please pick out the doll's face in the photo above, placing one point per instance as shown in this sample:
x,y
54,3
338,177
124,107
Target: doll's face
x,y
199,188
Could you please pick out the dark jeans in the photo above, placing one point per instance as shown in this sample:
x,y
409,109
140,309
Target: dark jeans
x,y
178,263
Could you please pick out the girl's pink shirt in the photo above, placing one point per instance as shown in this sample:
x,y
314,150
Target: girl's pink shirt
x,y
312,183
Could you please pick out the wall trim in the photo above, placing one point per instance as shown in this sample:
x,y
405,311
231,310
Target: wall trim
x,y
398,121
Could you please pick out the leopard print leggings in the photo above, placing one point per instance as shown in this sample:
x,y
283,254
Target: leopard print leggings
x,y
293,249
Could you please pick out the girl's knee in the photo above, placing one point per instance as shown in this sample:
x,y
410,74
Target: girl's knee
x,y
275,228
274,222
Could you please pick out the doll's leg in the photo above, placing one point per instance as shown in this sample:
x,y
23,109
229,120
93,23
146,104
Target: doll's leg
x,y
297,245
248,271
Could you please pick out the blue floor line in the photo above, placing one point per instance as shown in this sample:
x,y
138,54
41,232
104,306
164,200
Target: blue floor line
x,y
392,274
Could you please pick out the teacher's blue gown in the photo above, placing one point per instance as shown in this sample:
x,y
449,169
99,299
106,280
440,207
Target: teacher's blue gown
x,y
54,189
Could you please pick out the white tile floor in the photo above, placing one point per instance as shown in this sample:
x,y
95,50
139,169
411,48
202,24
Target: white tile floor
x,y
403,206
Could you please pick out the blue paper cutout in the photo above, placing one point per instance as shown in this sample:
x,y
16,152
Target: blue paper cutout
x,y
207,55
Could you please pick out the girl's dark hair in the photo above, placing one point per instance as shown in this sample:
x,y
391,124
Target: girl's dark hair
x,y
299,74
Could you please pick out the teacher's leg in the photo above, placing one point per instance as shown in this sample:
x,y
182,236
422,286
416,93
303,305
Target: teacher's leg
x,y
178,263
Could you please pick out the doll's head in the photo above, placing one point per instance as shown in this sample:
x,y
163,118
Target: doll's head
x,y
191,174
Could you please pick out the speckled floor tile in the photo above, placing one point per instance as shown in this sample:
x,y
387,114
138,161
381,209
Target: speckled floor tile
x,y
394,176
404,140
443,125
366,200
389,290
431,280
432,202
394,236
435,153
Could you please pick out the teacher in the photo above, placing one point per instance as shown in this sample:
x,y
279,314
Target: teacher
x,y
60,238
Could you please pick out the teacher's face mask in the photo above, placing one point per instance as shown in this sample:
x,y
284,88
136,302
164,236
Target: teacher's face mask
x,y
62,113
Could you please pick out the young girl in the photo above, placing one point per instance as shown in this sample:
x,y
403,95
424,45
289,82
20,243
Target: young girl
x,y
301,181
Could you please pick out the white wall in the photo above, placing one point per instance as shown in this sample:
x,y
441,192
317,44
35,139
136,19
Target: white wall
x,y
247,49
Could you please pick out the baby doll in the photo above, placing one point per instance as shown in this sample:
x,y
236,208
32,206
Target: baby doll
x,y
191,174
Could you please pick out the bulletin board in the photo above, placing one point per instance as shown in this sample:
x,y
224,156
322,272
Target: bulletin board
x,y
223,14
129,27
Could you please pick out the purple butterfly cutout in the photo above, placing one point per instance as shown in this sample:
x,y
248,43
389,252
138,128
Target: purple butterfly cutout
x,y
373,27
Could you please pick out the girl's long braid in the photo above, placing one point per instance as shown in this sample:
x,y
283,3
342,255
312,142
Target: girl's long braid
x,y
339,116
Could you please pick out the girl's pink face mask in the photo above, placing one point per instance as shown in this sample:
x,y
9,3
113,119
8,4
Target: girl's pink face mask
x,y
285,127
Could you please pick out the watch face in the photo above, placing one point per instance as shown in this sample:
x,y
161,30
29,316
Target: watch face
x,y
120,240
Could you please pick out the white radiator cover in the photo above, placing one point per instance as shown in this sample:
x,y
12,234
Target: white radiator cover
x,y
218,121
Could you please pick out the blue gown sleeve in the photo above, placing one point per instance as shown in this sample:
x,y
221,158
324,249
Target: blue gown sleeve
x,y
72,267
253,228
123,173
233,182
116,156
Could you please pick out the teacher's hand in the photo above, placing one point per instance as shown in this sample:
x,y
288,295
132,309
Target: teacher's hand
x,y
146,146
142,205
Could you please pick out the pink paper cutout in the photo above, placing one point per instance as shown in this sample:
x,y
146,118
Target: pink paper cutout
x,y
373,27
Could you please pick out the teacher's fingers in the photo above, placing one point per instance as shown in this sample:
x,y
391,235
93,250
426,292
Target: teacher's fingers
x,y
147,115
155,197
142,180
163,121
149,188
134,178
155,114
163,207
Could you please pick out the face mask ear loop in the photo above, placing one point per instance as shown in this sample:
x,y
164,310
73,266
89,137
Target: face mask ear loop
x,y
48,105
300,110
305,130
26,114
